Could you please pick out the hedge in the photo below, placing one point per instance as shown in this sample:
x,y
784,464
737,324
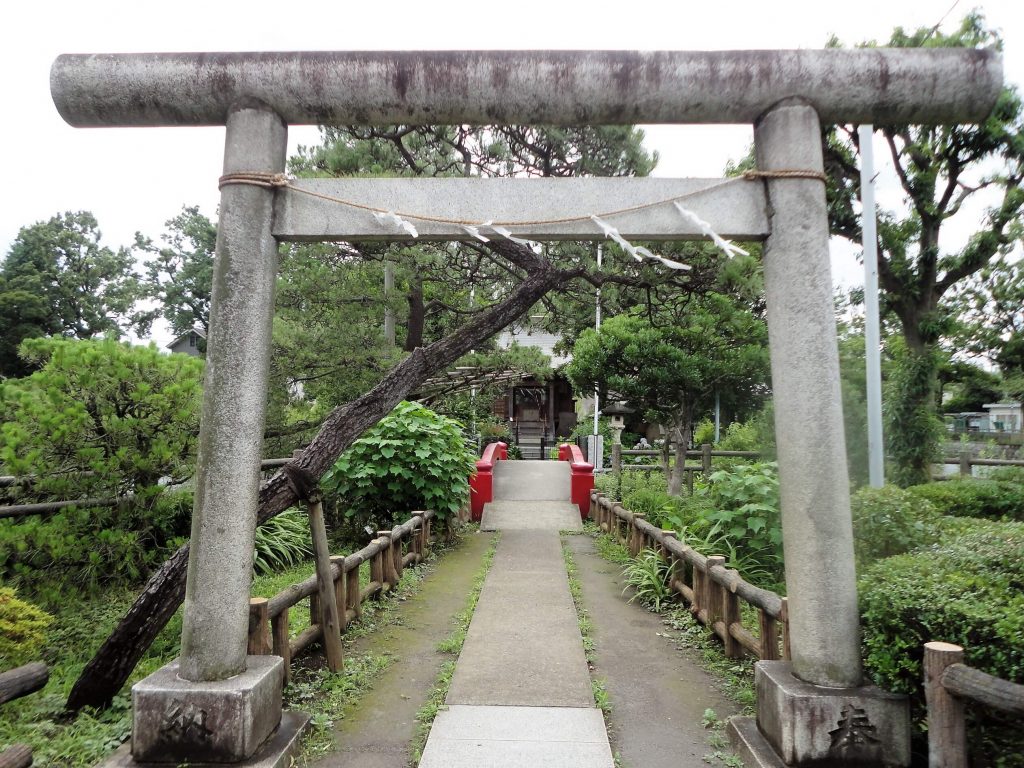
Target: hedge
x,y
966,589
971,497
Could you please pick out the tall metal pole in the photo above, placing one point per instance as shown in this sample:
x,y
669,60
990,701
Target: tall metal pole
x,y
389,314
872,335
597,327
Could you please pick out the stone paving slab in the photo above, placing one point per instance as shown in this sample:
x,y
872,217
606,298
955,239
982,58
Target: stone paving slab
x,y
523,647
532,480
518,737
503,515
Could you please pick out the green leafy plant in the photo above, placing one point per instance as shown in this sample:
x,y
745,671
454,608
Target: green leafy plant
x,y
648,576
745,503
890,521
412,459
22,628
282,542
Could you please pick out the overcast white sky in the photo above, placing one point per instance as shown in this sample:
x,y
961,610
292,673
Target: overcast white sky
x,y
136,179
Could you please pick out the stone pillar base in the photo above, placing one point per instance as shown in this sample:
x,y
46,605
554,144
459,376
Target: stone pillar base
x,y
807,725
223,721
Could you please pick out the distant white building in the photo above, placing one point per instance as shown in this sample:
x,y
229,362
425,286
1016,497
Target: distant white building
x,y
1004,417
532,335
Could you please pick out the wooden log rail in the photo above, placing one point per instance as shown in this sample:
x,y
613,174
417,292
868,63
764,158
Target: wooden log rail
x,y
705,454
15,683
712,591
386,556
948,685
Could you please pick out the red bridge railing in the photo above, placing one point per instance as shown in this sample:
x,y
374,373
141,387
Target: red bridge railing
x,y
481,485
582,480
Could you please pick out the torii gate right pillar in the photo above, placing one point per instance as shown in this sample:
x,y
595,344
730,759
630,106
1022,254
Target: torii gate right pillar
x,y
813,710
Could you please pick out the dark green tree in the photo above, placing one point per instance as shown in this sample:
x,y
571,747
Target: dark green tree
x,y
58,280
179,275
941,169
671,372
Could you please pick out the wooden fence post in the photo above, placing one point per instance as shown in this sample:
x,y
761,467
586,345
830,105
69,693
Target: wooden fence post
x,y
388,559
947,739
787,654
417,536
731,615
377,569
638,537
340,589
699,591
259,627
279,633
713,590
396,554
352,591
617,458
324,610
705,459
769,636
965,463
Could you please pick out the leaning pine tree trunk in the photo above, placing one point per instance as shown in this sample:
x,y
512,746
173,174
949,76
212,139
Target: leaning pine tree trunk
x,y
113,663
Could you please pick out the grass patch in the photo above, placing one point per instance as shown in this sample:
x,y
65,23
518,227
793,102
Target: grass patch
x,y
452,645
598,685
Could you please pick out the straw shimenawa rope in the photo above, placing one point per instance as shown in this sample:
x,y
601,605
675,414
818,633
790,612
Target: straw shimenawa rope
x,y
280,180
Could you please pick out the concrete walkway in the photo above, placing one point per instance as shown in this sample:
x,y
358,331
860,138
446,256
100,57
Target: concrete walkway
x,y
521,694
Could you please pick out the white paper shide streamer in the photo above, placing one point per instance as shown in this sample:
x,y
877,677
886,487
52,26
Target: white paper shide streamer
x,y
638,252
730,249
393,219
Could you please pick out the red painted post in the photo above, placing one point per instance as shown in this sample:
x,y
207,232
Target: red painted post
x,y
481,484
582,480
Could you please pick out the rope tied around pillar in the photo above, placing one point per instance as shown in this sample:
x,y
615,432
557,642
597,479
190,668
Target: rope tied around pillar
x,y
785,174
254,179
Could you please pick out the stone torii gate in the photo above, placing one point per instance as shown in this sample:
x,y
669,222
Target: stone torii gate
x,y
216,703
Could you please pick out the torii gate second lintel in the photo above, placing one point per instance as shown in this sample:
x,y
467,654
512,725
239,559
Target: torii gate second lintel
x,y
785,94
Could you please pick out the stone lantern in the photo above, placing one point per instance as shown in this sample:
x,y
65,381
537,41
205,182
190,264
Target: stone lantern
x,y
617,413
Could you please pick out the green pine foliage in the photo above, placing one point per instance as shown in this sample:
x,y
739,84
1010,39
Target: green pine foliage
x,y
97,419
413,459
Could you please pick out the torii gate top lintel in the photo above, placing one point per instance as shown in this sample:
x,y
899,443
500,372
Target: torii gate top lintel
x,y
877,85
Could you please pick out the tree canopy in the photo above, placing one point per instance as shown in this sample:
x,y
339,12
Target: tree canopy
x,y
942,170
672,372
58,280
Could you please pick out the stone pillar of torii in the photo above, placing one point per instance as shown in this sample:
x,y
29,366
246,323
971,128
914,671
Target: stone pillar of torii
x,y
218,704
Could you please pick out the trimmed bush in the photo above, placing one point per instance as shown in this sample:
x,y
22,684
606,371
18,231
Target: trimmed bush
x,y
412,459
890,521
972,497
967,589
22,627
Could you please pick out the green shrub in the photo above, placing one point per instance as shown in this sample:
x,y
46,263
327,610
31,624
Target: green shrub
x,y
1013,475
648,575
412,459
973,497
890,521
964,590
282,542
22,627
